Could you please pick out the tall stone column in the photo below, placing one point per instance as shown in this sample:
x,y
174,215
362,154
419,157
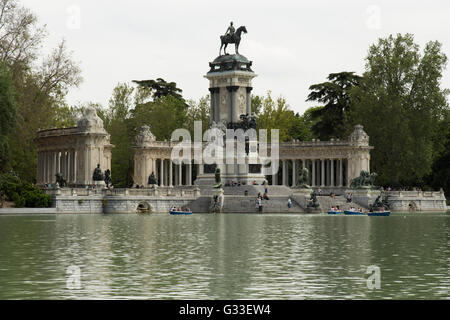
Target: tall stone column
x,y
180,173
322,173
332,173
188,174
233,116
161,172
170,173
275,178
294,172
341,176
249,101
213,109
68,167
285,173
313,181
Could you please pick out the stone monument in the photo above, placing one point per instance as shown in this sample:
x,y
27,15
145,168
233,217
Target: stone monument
x,y
230,84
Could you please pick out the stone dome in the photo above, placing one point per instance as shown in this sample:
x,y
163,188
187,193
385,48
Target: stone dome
x,y
230,62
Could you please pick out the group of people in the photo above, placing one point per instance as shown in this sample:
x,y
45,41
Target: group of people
x,y
335,209
180,209
353,209
349,197
260,197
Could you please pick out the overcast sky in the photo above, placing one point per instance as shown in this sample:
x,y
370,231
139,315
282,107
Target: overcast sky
x,y
292,44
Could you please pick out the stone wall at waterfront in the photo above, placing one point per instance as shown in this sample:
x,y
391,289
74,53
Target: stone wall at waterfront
x,y
416,200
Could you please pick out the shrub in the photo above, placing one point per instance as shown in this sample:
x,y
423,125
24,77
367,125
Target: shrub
x,y
23,194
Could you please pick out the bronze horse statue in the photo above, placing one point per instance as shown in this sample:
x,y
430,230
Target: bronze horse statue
x,y
235,38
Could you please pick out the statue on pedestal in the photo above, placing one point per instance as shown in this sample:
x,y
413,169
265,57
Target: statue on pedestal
x,y
231,37
60,180
365,180
98,174
108,179
152,179
303,179
218,180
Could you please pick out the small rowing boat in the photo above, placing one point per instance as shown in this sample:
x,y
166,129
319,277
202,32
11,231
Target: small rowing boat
x,y
180,212
379,214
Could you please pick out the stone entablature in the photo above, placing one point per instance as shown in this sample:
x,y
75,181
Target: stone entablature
x,y
74,152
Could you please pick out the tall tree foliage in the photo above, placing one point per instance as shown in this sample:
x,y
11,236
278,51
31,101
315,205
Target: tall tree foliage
x,y
400,102
277,114
335,114
7,112
41,83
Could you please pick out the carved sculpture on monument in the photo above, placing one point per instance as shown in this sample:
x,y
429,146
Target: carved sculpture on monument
x,y
60,180
90,122
108,179
145,137
313,202
231,37
98,174
303,179
365,180
152,179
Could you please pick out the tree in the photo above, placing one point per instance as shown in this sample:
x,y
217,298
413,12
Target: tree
x,y
400,102
335,95
160,88
277,114
198,112
40,88
7,112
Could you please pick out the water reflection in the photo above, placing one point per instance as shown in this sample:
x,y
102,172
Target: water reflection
x,y
224,256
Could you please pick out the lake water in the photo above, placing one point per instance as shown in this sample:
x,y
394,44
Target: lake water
x,y
228,256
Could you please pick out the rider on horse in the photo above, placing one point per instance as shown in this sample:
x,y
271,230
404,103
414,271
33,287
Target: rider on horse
x,y
230,31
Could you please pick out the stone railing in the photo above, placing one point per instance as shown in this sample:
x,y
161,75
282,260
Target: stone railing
x,y
414,194
185,191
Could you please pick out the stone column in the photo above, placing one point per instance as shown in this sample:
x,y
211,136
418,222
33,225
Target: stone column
x,y
322,173
58,162
189,174
249,101
332,173
294,172
275,178
285,173
341,176
180,174
170,172
313,176
68,167
213,104
161,172
233,115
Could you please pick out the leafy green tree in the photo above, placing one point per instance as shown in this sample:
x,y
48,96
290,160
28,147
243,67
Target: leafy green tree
x,y
7,112
277,114
400,102
198,112
160,88
335,95
117,122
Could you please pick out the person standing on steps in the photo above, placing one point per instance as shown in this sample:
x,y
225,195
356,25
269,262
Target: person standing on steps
x,y
289,203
